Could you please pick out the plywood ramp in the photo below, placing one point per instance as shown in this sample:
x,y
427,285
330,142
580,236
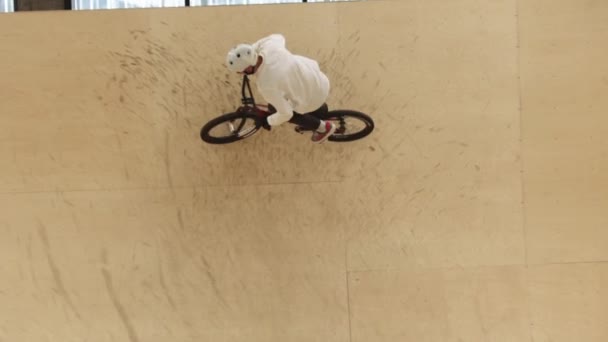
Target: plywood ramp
x,y
474,212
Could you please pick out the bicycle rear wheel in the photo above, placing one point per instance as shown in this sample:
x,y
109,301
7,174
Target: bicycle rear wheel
x,y
351,125
230,128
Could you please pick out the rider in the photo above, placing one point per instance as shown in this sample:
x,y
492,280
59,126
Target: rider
x,y
292,84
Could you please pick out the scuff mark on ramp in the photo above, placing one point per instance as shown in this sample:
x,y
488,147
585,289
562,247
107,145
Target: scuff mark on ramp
x,y
213,281
167,160
60,287
118,306
163,284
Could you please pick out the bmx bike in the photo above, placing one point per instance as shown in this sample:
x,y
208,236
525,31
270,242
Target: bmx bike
x,y
247,120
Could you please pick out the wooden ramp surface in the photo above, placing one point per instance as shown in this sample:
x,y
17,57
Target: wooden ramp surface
x,y
476,211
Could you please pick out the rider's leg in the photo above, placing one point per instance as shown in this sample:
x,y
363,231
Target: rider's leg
x,y
311,121
305,121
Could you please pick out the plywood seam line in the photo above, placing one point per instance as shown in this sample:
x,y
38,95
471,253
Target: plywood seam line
x,y
165,188
347,272
521,134
417,268
523,214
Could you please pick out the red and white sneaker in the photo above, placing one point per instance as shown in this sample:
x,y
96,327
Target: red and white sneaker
x,y
318,137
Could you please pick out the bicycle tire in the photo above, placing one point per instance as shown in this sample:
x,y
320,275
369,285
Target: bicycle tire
x,y
224,119
342,113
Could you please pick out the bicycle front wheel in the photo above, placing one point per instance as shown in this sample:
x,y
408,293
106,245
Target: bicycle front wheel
x,y
230,128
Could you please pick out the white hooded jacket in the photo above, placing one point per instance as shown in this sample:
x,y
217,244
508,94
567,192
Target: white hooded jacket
x,y
289,82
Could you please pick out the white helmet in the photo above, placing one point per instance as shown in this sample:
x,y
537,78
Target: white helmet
x,y
241,57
